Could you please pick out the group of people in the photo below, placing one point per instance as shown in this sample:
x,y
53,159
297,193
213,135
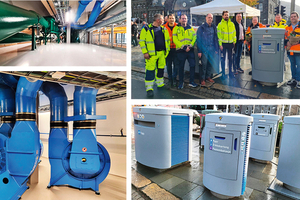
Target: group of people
x,y
171,44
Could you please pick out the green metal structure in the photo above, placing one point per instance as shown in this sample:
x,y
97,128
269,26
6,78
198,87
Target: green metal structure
x,y
14,19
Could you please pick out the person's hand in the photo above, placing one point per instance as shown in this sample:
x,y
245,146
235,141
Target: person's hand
x,y
188,49
199,55
233,44
147,56
221,48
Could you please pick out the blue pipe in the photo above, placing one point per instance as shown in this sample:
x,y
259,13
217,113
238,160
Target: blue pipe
x,y
10,80
85,101
26,95
94,15
23,147
7,100
58,100
81,7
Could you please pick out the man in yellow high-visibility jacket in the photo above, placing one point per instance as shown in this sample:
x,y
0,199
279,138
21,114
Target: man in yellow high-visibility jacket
x,y
227,40
155,45
279,22
184,37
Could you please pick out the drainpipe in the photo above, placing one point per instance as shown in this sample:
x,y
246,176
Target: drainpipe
x,y
23,148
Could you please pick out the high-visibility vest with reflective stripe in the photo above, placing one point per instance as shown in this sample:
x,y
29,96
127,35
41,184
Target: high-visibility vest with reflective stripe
x,y
147,40
226,32
281,24
288,31
183,37
172,45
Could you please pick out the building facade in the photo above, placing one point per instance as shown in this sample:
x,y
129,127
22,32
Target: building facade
x,y
267,10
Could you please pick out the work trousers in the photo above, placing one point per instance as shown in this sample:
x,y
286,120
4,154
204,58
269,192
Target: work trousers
x,y
155,70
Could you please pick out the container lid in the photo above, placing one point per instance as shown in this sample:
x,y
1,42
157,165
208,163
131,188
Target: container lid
x,y
210,111
228,118
292,119
265,116
269,31
162,110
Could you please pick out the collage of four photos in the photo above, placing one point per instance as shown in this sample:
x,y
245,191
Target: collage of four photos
x,y
149,99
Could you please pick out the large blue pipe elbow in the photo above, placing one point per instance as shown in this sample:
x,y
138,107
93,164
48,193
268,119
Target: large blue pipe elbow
x,y
58,100
10,80
26,95
92,19
81,7
85,101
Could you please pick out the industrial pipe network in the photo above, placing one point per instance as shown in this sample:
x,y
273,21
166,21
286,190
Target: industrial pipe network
x,y
82,163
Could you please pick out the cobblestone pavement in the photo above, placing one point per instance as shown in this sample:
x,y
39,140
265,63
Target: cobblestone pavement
x,y
240,87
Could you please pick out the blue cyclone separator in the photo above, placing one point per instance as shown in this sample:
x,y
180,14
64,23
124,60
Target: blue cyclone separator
x,y
84,163
23,147
94,15
81,7
7,107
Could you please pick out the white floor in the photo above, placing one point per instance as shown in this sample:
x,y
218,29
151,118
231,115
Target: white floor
x,y
64,55
113,187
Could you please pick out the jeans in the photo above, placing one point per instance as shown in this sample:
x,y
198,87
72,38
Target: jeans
x,y
227,47
209,62
134,40
237,56
182,56
295,65
172,69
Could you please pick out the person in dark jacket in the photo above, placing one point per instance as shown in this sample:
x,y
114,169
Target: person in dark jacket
x,y
208,48
134,32
240,38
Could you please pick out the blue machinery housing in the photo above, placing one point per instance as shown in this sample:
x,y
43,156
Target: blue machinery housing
x,y
82,163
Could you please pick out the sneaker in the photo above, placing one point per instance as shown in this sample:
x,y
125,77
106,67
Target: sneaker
x,y
250,73
239,70
150,93
180,86
298,85
203,82
290,82
174,83
193,84
236,73
210,80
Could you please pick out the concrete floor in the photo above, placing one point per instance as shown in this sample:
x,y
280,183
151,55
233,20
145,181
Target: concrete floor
x,y
113,187
185,181
64,54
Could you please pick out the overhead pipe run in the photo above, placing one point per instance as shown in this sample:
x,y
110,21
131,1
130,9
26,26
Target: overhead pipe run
x,y
92,19
81,7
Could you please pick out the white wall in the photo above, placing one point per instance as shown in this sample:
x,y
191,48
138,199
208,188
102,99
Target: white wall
x,y
115,110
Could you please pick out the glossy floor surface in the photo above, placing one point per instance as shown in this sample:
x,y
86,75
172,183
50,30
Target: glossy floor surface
x,y
113,187
63,55
186,181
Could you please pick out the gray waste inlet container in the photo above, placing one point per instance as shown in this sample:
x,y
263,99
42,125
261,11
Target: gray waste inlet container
x,y
268,54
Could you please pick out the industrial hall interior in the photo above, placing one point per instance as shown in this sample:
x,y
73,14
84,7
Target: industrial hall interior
x,y
63,33
213,152
62,135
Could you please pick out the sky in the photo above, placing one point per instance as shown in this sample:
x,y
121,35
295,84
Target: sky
x,y
297,1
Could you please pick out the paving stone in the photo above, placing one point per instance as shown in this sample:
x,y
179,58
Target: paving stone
x,y
218,94
194,194
161,178
170,183
153,191
182,189
138,180
249,93
257,184
269,96
226,96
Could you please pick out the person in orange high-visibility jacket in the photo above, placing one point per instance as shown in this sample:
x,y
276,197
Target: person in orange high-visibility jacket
x,y
293,50
253,25
171,59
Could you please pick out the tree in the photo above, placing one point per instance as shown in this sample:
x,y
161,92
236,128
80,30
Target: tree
x,y
251,3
